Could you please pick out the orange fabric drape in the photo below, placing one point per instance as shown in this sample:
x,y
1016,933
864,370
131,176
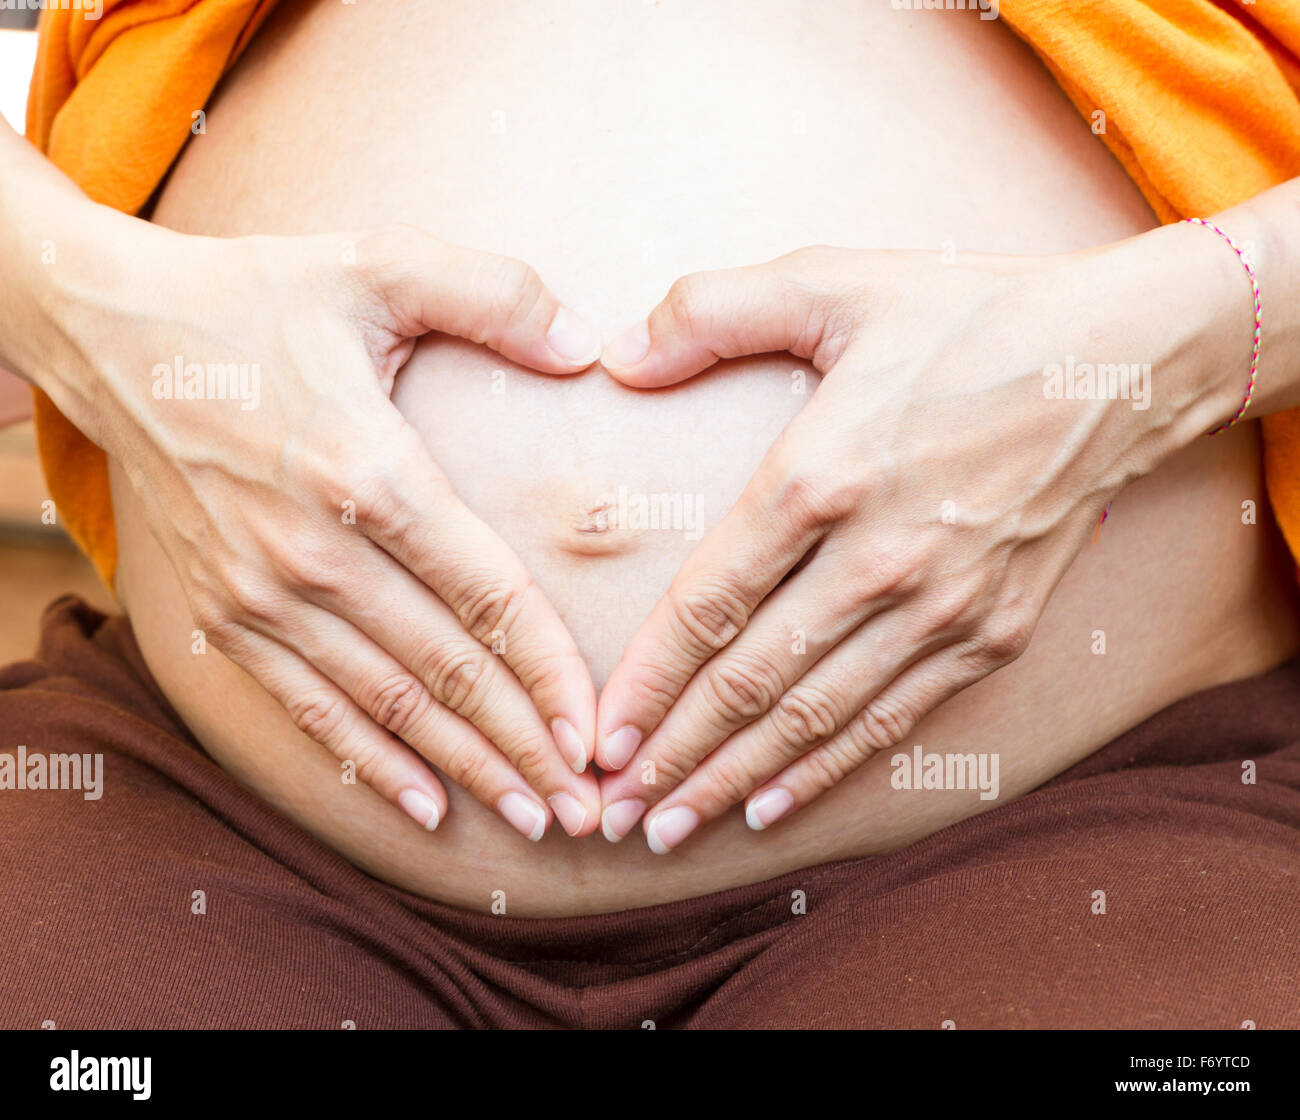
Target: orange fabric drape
x,y
1201,104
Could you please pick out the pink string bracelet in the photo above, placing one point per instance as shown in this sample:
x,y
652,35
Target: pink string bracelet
x,y
1254,352
1259,320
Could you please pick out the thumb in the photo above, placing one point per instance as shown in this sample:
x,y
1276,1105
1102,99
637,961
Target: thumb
x,y
428,285
784,304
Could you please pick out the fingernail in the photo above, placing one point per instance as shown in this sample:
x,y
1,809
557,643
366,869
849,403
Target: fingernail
x,y
669,828
620,746
419,807
629,347
571,338
568,811
570,744
768,807
617,821
524,814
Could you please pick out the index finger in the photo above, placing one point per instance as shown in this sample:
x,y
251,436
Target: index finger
x,y
709,602
414,515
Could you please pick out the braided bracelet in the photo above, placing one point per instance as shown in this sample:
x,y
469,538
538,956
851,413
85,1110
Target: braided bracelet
x,y
1254,287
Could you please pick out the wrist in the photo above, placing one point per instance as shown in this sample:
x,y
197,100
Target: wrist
x,y
1233,320
76,268
1194,324
1267,229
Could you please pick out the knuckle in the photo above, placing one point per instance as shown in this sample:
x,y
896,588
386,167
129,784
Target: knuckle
x,y
307,566
350,477
252,599
382,244
531,756
711,616
817,500
466,765
456,676
510,276
741,691
687,300
214,618
806,715
653,689
1004,637
671,768
883,723
834,309
383,257
369,488
387,453
513,290
319,715
386,256
890,572
546,673
730,780
394,701
953,609
368,759
812,258
828,765
487,604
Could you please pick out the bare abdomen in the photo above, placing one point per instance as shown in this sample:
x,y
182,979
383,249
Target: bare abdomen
x,y
614,148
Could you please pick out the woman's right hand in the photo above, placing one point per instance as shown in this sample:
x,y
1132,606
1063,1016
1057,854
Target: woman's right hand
x,y
318,543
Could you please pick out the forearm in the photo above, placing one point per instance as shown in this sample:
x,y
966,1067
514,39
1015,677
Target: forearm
x,y
37,205
64,262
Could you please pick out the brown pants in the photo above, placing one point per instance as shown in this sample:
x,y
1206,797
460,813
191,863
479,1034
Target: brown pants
x,y
990,923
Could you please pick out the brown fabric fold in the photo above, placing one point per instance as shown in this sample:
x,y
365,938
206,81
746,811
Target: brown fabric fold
x,y
988,923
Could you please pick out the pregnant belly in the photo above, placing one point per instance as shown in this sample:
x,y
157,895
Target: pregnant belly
x,y
614,148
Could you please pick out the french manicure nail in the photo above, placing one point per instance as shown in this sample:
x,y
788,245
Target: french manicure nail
x,y
768,807
419,807
524,814
570,743
629,347
620,746
666,830
568,811
571,338
617,820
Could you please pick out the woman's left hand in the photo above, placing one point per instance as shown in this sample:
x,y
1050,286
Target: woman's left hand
x,y
900,539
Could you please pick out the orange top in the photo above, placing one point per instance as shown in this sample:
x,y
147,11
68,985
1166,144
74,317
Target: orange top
x,y
1201,105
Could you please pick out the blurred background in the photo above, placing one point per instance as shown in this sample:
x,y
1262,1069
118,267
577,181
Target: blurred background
x,y
37,562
